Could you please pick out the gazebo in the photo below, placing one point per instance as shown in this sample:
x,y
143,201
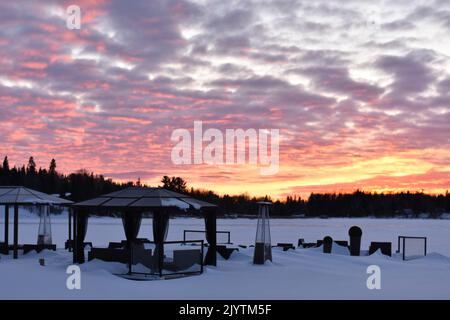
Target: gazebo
x,y
15,196
131,203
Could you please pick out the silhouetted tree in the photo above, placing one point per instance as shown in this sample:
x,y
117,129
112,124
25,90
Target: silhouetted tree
x,y
52,167
166,182
31,167
177,184
5,164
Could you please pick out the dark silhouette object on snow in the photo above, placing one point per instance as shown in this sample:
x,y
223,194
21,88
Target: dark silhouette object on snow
x,y
285,246
225,251
355,234
385,247
342,243
327,244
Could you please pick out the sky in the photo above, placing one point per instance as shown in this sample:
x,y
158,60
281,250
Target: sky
x,y
359,90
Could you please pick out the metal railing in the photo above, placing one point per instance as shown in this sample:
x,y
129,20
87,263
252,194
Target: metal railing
x,y
401,239
228,233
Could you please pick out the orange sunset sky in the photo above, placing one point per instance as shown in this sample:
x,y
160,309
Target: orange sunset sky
x,y
359,90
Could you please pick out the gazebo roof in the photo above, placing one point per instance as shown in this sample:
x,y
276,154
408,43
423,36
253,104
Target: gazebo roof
x,y
144,198
11,195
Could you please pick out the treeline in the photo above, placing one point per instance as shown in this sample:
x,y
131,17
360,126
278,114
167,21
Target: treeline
x,y
83,185
362,204
77,186
356,204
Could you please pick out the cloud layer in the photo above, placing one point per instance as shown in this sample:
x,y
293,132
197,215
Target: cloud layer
x,y
358,89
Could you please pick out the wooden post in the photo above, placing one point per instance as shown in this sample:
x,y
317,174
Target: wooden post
x,y
16,231
6,226
70,231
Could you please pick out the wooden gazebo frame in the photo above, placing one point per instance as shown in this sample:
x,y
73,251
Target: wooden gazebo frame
x,y
15,196
134,201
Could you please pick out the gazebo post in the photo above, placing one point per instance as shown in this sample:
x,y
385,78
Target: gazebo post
x,y
70,230
159,216
16,231
74,242
211,236
6,226
80,233
129,244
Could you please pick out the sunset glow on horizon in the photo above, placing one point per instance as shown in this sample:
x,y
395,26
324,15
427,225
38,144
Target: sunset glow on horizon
x,y
360,92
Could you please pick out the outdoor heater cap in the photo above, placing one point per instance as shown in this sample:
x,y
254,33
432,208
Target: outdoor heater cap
x,y
355,231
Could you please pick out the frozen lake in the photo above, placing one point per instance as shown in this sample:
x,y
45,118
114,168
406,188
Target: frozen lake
x,y
299,274
106,229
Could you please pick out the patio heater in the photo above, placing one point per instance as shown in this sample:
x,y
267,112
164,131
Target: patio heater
x,y
45,229
263,246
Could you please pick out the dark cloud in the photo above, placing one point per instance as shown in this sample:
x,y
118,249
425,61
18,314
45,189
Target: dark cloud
x,y
411,75
398,25
338,80
231,21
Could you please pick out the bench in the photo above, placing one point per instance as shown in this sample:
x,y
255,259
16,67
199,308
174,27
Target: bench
x,y
144,257
107,254
3,248
138,240
69,244
343,243
38,247
115,245
285,246
339,242
306,245
385,247
184,259
302,243
122,244
225,251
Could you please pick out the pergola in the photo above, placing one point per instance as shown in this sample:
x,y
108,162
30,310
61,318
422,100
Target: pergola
x,y
15,196
131,203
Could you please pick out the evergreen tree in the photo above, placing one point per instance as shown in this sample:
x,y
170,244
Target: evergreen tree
x,y
176,184
6,164
31,167
166,182
53,181
52,168
179,184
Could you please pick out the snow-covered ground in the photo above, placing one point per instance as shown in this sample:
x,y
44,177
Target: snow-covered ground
x,y
299,274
